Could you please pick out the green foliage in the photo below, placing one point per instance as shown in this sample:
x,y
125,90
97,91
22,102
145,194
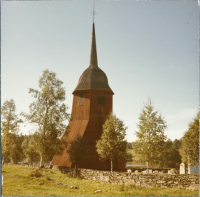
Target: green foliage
x,y
48,112
129,157
150,134
79,151
30,149
171,157
137,158
190,143
176,144
112,143
16,154
10,141
130,145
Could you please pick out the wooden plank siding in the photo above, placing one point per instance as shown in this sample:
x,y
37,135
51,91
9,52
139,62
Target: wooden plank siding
x,y
87,121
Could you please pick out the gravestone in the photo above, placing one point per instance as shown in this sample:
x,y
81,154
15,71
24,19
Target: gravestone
x,y
172,172
182,168
150,171
193,169
129,170
144,172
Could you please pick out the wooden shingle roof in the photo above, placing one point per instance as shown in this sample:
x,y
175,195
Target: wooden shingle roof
x,y
93,78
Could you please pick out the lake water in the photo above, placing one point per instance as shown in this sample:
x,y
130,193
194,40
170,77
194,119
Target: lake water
x,y
134,165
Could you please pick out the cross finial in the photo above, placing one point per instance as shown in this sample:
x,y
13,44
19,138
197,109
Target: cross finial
x,y
93,12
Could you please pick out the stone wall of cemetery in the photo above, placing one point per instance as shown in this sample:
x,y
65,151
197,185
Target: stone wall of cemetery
x,y
163,180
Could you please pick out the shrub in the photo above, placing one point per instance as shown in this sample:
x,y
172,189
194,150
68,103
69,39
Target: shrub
x,y
35,173
47,177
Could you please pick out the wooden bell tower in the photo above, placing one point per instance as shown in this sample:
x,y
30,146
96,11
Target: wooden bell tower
x,y
92,103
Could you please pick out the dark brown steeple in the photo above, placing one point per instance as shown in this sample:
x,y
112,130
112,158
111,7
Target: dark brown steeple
x,y
93,78
93,55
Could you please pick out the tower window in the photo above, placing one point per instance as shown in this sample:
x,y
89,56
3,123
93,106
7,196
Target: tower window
x,y
80,99
101,99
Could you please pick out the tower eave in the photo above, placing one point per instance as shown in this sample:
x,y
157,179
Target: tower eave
x,y
79,91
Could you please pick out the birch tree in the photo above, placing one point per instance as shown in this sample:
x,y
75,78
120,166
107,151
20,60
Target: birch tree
x,y
30,150
49,113
112,142
190,143
150,134
9,130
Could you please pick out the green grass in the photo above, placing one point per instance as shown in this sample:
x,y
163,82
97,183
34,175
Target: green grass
x,y
18,182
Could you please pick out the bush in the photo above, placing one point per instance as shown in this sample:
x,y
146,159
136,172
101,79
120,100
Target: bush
x,y
36,173
47,177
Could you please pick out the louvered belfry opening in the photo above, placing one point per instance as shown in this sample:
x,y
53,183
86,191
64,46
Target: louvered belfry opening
x,y
92,103
80,99
101,100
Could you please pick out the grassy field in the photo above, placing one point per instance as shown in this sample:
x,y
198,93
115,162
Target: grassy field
x,y
17,181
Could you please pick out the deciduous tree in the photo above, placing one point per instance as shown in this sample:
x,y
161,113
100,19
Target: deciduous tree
x,y
9,129
170,157
30,150
49,113
150,134
79,151
112,142
190,143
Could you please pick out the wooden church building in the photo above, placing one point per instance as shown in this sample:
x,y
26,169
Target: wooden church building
x,y
92,103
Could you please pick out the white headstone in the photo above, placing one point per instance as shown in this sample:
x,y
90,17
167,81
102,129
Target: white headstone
x,y
182,168
150,171
193,170
129,170
144,172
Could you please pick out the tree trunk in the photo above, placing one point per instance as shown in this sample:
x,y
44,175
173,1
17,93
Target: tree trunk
x,y
148,163
111,165
41,162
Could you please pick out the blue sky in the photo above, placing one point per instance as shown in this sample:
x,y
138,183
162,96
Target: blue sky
x,y
146,48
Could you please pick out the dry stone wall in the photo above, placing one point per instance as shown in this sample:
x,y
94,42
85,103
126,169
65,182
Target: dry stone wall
x,y
188,181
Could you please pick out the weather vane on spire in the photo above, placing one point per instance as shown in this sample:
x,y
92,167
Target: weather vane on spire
x,y
93,12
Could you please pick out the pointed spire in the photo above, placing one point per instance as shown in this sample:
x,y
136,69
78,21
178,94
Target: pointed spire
x,y
93,55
